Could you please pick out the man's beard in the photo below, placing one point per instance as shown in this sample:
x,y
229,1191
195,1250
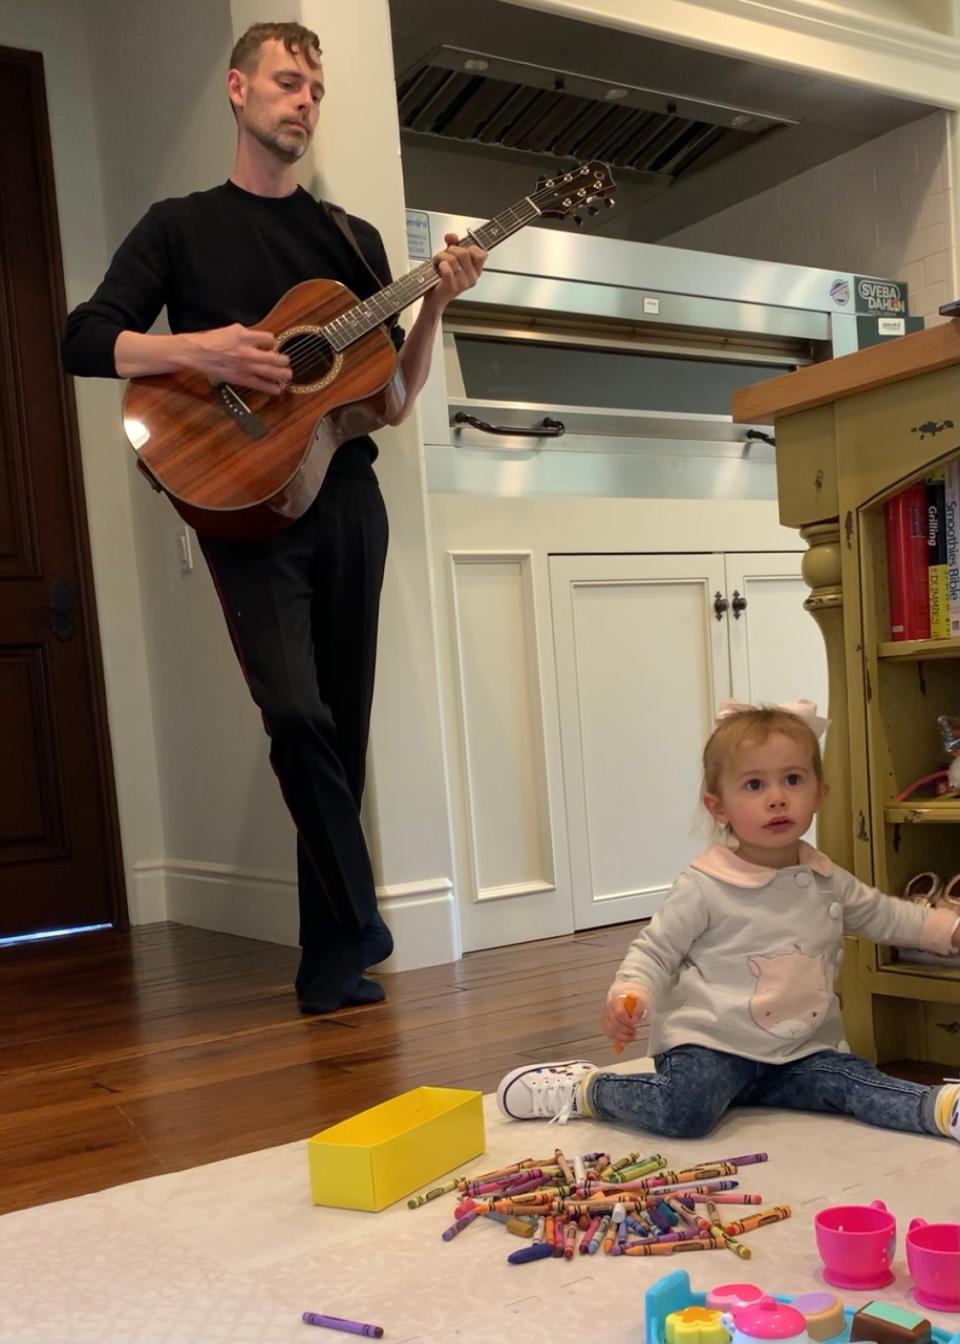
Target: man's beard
x,y
286,145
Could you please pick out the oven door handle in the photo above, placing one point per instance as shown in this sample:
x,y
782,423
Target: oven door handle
x,y
547,429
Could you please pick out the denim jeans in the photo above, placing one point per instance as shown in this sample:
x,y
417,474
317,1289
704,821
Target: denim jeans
x,y
694,1086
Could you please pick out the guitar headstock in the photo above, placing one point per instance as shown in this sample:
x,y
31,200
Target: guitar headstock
x,y
568,194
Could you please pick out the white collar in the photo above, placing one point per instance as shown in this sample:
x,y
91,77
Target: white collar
x,y
727,866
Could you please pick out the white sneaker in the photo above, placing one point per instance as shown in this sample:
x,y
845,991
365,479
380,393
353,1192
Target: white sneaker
x,y
953,1120
545,1091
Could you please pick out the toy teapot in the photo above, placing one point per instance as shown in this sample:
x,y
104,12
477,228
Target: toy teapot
x,y
768,1319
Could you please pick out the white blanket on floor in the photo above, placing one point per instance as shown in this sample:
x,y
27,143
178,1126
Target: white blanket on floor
x,y
235,1251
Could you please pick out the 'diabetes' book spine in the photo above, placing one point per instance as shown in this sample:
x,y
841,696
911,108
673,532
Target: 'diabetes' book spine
x,y
937,558
951,509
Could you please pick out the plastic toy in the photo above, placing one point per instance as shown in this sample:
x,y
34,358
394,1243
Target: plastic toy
x,y
730,1296
942,783
823,1313
696,1325
884,1323
933,1257
768,1320
673,1293
857,1243
950,732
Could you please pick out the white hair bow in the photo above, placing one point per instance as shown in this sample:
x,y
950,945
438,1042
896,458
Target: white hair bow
x,y
804,709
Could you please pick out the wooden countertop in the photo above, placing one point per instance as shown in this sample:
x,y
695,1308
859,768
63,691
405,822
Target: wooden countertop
x,y
922,352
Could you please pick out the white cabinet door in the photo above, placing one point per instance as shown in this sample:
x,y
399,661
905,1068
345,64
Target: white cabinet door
x,y
511,838
641,663
776,649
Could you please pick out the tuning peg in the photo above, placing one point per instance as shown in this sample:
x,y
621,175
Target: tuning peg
x,y
609,202
577,219
593,210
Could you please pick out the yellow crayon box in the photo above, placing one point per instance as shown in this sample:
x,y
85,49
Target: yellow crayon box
x,y
379,1156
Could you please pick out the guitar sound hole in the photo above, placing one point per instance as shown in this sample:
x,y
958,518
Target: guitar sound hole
x,y
311,357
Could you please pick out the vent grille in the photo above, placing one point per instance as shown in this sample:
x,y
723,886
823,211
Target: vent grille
x,y
520,107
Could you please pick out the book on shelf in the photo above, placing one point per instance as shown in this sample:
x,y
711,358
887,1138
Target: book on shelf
x,y
951,494
937,558
905,517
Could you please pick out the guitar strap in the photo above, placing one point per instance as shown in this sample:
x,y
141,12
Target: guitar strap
x,y
338,215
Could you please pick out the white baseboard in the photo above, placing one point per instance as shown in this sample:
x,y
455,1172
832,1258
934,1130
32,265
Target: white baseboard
x,y
147,893
422,915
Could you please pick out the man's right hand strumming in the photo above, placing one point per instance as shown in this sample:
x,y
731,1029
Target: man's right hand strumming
x,y
235,354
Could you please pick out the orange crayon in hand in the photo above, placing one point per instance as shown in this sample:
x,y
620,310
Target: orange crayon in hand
x,y
630,1003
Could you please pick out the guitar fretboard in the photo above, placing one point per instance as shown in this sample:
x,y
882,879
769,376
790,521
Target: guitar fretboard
x,y
372,312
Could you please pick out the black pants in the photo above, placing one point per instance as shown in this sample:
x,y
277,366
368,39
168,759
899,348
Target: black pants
x,y
302,611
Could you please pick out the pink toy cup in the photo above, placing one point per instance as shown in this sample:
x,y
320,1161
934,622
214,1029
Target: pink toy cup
x,y
933,1255
857,1243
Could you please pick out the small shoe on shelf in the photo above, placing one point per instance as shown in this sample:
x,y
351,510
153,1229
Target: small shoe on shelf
x,y
950,895
923,888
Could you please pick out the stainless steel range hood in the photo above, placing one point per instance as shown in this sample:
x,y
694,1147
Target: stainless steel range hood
x,y
492,94
477,97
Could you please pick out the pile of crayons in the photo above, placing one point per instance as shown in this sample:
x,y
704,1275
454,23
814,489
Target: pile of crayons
x,y
633,1206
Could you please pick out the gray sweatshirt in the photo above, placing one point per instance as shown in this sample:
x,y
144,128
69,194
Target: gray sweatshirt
x,y
743,959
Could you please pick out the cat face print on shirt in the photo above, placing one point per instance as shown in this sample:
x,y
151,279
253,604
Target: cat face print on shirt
x,y
791,996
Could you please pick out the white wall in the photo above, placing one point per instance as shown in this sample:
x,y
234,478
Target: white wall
x,y
175,135
55,29
887,208
917,54
227,857
137,113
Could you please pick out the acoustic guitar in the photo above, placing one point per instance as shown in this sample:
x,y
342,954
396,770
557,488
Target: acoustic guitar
x,y
241,464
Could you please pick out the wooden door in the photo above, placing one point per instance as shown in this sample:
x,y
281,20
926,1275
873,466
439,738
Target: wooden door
x,y
642,660
59,853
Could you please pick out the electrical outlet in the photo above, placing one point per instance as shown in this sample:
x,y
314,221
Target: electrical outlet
x,y
184,550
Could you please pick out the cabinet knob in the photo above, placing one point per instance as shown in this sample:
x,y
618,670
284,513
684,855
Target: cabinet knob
x,y
720,605
738,605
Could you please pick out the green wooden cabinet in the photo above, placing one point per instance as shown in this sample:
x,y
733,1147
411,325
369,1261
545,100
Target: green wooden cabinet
x,y
850,433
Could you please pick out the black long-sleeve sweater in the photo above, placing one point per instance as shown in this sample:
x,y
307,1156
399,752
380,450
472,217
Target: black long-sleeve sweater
x,y
216,257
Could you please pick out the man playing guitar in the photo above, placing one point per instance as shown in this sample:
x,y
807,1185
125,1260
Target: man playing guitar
x,y
302,605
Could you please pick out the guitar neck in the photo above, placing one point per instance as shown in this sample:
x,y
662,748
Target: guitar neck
x,y
380,307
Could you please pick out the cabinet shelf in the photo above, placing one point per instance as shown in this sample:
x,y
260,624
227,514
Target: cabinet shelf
x,y
919,649
923,813
916,972
843,451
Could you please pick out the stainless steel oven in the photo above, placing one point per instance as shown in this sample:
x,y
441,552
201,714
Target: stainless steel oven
x,y
587,366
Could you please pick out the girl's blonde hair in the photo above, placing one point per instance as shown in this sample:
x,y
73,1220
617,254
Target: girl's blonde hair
x,y
751,728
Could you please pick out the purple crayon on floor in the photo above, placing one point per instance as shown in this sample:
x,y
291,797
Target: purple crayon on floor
x,y
681,1234
540,1250
338,1323
456,1228
736,1161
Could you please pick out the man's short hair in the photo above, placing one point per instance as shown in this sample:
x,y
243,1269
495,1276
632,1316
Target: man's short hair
x,y
298,41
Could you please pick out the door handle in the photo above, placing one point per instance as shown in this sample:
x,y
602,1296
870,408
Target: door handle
x,y
720,605
61,608
548,428
738,605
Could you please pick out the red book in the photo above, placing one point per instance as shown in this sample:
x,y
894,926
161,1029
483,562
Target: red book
x,y
906,518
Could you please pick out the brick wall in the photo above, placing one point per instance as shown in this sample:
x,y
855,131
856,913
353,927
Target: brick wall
x,y
888,208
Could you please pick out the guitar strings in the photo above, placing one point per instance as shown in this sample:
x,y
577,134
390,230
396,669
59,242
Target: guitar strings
x,y
310,351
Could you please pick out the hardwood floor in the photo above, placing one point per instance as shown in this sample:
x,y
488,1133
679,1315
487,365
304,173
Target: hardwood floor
x,y
130,1054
